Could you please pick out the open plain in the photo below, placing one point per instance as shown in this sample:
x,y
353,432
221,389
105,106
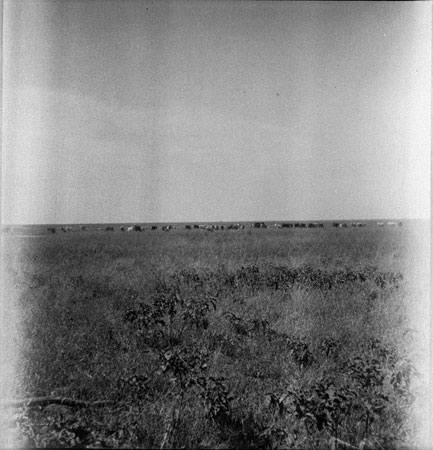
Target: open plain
x,y
253,338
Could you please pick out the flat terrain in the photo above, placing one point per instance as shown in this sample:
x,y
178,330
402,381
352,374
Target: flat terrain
x,y
255,338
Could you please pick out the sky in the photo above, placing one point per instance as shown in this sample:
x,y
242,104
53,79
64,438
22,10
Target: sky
x,y
135,111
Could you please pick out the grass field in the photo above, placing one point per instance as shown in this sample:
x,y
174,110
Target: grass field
x,y
272,338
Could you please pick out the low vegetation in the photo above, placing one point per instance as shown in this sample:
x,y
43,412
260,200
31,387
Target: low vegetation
x,y
246,339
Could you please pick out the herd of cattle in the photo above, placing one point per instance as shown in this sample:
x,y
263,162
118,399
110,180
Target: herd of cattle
x,y
237,226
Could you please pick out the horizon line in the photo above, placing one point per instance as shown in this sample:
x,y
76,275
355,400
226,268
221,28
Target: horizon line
x,y
217,221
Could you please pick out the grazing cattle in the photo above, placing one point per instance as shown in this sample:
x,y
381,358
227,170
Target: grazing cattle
x,y
122,228
138,228
287,225
259,225
69,229
82,228
154,227
109,228
335,224
63,229
187,227
392,224
167,228
196,226
129,229
300,225
51,230
380,224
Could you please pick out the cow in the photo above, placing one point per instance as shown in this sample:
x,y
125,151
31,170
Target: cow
x,y
392,224
129,229
63,229
136,228
187,227
122,228
82,228
51,230
109,228
259,225
154,227
196,227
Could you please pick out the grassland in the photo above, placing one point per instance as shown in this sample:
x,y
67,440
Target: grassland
x,y
233,339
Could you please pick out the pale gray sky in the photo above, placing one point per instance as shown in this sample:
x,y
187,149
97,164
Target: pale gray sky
x,y
123,111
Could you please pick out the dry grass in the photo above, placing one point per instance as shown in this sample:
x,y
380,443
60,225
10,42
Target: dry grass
x,y
218,340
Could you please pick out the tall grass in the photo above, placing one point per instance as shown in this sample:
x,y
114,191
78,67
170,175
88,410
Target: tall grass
x,y
254,338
